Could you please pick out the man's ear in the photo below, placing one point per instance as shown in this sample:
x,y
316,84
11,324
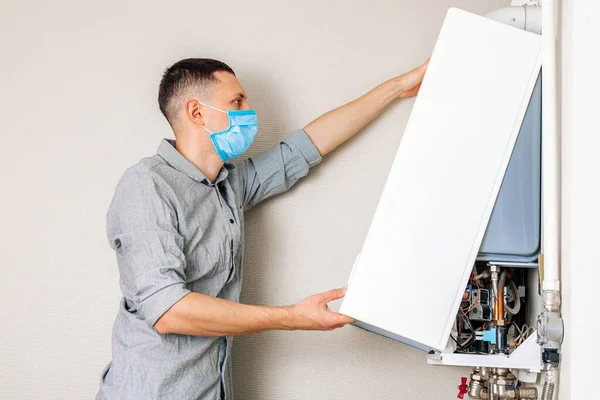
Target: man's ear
x,y
193,112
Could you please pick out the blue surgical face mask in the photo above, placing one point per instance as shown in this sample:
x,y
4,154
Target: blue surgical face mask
x,y
235,140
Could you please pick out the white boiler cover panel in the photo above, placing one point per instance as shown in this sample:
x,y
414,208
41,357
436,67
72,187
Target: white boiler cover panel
x,y
439,195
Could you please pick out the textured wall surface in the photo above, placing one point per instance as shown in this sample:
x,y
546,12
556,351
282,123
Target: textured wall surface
x,y
79,83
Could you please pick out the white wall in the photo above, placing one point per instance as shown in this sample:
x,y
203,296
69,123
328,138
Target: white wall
x,y
580,196
79,83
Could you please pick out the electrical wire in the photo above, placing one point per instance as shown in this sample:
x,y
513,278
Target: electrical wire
x,y
528,332
469,342
524,332
470,326
465,343
463,313
517,307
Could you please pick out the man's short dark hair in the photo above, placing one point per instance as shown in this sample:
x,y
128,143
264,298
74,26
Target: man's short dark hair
x,y
191,74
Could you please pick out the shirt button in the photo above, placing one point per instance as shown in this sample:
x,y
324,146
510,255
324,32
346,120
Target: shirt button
x,y
231,220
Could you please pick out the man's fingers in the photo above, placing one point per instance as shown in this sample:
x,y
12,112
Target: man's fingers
x,y
344,319
334,294
413,92
341,320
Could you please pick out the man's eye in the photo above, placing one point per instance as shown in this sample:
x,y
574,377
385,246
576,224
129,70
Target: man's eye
x,y
237,101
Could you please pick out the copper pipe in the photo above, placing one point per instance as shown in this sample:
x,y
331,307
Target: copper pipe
x,y
499,309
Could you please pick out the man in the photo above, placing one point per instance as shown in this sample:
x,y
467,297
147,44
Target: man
x,y
176,223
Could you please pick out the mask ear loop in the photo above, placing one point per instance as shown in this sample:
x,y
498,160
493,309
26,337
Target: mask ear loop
x,y
214,108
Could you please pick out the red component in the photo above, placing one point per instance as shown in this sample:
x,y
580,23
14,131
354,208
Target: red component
x,y
467,295
462,389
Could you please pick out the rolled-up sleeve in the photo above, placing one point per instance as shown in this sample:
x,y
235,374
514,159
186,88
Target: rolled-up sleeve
x,y
142,229
279,168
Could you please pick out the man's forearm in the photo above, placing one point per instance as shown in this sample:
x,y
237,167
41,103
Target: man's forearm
x,y
335,127
201,315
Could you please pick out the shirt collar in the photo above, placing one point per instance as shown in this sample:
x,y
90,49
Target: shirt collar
x,y
167,150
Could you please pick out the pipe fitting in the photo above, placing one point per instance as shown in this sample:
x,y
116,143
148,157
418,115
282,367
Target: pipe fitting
x,y
525,393
550,325
551,300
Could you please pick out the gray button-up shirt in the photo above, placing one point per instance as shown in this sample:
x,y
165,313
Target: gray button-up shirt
x,y
174,233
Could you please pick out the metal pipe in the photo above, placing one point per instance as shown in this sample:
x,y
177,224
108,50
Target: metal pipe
x,y
476,384
501,386
494,270
492,395
550,321
522,17
550,378
550,149
521,393
514,264
500,299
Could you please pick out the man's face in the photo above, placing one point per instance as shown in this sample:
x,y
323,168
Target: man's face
x,y
227,94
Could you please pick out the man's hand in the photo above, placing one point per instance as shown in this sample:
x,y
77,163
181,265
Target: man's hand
x,y
313,313
410,82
